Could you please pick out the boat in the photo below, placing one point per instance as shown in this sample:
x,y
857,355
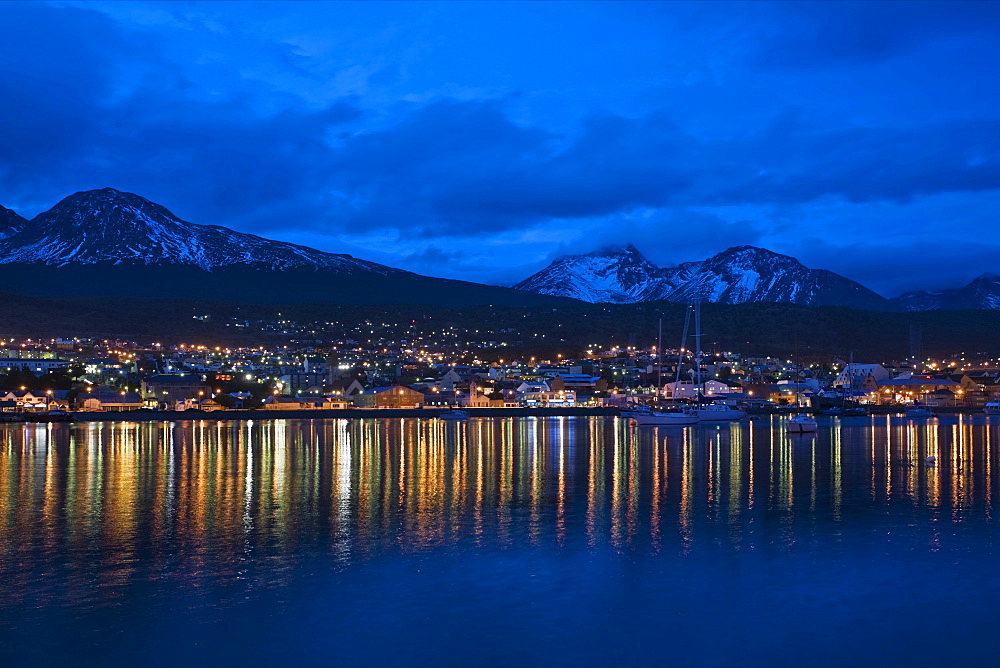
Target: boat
x,y
856,411
645,415
992,408
718,413
714,412
833,411
666,418
801,424
454,414
636,411
919,412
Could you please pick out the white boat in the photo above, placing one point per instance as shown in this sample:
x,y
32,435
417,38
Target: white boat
x,y
801,424
919,412
454,414
718,413
666,418
992,408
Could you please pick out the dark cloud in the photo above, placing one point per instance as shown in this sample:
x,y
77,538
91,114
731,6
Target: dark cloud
x,y
57,68
903,266
68,127
92,102
458,168
794,162
804,35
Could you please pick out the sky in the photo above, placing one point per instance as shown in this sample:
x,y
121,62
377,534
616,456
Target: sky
x,y
480,141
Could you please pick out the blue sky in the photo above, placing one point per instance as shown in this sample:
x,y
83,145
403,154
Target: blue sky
x,y
481,140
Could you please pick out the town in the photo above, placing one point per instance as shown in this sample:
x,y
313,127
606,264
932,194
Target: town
x,y
60,376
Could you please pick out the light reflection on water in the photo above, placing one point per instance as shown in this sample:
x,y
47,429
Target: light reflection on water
x,y
154,517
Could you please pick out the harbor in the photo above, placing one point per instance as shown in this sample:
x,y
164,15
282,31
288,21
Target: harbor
x,y
284,540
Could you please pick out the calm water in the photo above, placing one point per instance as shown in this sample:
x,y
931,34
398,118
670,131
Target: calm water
x,y
557,541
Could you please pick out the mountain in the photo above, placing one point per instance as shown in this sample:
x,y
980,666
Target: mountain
x,y
108,226
735,276
111,243
615,275
982,293
10,223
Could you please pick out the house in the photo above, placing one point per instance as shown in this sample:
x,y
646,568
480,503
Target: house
x,y
531,387
28,400
346,387
276,403
448,380
579,382
854,375
109,401
686,389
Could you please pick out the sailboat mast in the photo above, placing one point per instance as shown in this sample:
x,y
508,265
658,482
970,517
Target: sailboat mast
x,y
680,354
659,359
697,348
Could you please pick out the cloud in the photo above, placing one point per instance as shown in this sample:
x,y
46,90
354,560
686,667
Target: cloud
x,y
190,112
791,161
806,35
70,125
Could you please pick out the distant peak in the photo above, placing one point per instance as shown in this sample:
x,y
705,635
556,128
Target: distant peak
x,y
752,251
97,200
749,249
104,193
985,280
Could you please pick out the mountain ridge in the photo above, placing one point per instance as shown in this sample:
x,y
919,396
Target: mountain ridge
x,y
108,225
85,236
736,275
116,244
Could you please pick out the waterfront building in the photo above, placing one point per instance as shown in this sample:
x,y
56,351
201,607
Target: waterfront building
x,y
169,388
854,375
397,396
109,401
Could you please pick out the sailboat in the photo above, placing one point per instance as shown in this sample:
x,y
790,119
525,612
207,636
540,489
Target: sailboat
x,y
713,412
647,416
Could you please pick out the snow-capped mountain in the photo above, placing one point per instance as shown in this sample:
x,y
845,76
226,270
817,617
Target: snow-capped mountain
x,y
735,276
10,223
108,226
982,293
615,275
116,244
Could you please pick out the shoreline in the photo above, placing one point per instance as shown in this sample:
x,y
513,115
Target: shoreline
x,y
315,414
376,413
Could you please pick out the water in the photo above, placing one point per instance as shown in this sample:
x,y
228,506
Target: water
x,y
557,541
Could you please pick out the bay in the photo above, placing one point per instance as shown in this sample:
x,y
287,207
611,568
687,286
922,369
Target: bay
x,y
508,541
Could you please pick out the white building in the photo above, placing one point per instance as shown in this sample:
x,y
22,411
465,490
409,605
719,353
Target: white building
x,y
853,375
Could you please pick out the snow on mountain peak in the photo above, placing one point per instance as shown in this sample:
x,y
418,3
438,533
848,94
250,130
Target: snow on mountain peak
x,y
110,226
736,275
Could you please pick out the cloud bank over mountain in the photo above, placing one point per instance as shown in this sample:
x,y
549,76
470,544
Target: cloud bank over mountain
x,y
483,142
